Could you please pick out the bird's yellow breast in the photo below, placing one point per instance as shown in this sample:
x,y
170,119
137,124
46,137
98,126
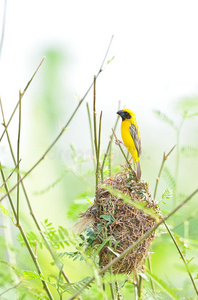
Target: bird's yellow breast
x,y
128,140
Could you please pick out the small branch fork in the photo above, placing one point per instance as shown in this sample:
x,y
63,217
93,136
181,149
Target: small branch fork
x,y
20,178
45,286
61,132
165,157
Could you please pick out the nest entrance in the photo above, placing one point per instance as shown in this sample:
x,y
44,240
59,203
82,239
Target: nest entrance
x,y
122,222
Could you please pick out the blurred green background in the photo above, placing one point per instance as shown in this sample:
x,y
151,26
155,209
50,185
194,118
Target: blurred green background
x,y
155,69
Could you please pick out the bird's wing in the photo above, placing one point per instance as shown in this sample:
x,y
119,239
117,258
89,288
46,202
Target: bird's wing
x,y
137,141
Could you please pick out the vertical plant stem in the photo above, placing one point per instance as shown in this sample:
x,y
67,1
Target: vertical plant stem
x,y
183,258
18,158
110,159
140,286
128,163
135,291
177,162
91,134
22,94
112,291
135,284
104,159
57,262
119,297
45,286
151,280
94,119
165,157
111,272
109,150
63,129
169,231
3,27
98,151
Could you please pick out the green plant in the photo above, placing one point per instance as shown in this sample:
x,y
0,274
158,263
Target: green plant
x,y
45,255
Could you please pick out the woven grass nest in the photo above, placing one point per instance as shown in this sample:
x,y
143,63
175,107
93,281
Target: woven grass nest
x,y
126,224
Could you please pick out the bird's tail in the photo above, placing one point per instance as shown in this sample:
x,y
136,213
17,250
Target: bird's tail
x,y
138,170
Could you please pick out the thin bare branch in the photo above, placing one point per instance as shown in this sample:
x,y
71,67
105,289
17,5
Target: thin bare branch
x,y
16,167
127,161
11,288
109,149
94,118
183,258
61,132
151,280
57,262
18,158
98,151
3,27
165,157
22,94
45,286
169,231
91,134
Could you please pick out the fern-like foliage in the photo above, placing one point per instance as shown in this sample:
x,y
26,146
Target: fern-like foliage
x,y
32,239
58,238
163,117
169,178
189,151
167,194
72,288
167,289
59,284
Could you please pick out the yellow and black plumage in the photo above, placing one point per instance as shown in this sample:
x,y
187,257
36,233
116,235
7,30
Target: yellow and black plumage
x,y
131,136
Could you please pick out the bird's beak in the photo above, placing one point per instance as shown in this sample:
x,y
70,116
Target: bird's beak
x,y
120,113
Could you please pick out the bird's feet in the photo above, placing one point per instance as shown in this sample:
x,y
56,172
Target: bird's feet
x,y
118,142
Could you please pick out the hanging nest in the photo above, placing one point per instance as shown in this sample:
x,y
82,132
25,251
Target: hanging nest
x,y
112,217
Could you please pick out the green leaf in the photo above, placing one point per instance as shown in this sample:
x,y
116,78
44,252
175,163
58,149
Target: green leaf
x,y
189,151
72,255
169,290
165,119
166,196
188,103
191,115
30,274
108,62
103,244
143,275
108,218
56,237
75,286
6,212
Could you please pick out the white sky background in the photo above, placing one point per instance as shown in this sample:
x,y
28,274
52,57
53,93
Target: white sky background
x,y
155,47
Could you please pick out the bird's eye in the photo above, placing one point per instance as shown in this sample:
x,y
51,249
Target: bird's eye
x,y
127,115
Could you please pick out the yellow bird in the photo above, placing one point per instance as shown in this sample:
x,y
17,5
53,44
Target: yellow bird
x,y
131,136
